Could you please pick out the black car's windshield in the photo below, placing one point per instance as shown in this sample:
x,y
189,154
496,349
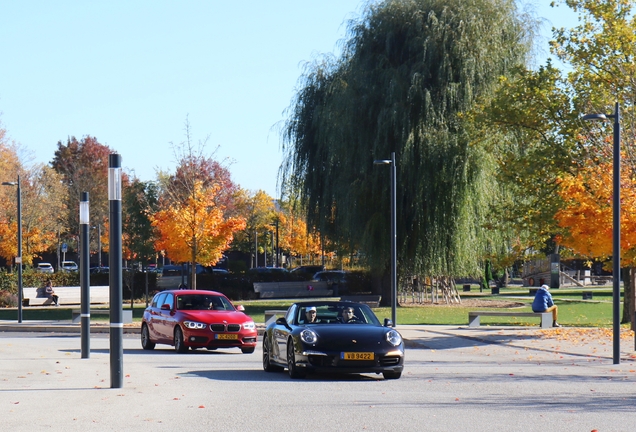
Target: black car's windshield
x,y
335,313
203,302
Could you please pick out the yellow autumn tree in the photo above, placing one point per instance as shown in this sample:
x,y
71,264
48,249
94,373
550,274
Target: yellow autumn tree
x,y
195,229
41,195
296,238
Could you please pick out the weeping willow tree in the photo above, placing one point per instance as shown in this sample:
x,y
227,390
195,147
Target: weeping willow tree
x,y
410,74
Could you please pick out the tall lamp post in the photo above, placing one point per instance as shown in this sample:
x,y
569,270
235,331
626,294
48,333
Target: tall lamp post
x,y
616,237
18,259
115,276
85,312
391,162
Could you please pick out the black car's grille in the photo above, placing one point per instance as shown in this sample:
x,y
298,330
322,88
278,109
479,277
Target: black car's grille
x,y
225,327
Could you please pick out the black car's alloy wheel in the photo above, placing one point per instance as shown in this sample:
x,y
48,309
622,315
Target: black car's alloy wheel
x,y
267,365
179,346
146,343
294,371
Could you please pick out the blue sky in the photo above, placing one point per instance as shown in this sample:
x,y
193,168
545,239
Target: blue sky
x,y
130,72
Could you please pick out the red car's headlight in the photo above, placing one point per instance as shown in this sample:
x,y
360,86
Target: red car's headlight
x,y
194,325
249,325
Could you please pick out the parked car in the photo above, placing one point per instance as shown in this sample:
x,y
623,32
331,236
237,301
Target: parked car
x,y
175,270
333,276
69,266
45,267
196,319
261,270
98,269
307,270
336,279
331,343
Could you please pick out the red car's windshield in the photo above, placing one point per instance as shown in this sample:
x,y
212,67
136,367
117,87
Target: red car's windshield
x,y
203,302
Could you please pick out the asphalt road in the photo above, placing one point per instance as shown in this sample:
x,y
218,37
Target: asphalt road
x,y
455,379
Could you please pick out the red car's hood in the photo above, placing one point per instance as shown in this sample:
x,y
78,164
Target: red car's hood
x,y
215,316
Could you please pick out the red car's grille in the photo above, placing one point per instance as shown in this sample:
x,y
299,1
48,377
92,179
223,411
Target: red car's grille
x,y
225,327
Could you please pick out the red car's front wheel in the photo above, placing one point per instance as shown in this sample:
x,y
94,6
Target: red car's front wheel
x,y
179,345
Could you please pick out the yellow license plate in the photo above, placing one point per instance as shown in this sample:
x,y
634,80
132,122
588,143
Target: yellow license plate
x,y
225,336
357,356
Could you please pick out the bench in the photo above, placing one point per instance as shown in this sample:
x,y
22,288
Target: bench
x,y
272,315
37,301
292,289
67,296
76,315
369,300
473,317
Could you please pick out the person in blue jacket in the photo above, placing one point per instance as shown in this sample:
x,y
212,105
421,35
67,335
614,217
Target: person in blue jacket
x,y
543,303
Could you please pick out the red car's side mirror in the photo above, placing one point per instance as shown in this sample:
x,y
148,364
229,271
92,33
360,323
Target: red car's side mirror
x,y
165,306
240,308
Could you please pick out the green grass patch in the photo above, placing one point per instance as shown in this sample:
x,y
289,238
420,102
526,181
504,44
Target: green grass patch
x,y
573,311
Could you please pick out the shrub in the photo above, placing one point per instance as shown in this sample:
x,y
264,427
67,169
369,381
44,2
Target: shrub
x,y
8,299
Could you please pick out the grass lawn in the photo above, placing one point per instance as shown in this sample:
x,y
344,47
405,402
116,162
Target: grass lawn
x,y
573,311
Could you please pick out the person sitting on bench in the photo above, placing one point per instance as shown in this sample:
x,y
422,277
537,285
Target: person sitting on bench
x,y
48,292
543,303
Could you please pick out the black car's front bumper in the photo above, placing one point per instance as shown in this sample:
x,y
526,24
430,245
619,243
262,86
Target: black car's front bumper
x,y
321,361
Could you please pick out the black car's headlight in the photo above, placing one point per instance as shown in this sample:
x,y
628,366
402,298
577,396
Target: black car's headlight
x,y
308,336
393,337
194,325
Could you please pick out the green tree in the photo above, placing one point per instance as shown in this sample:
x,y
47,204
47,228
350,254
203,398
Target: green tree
x,y
410,74
83,166
539,113
140,200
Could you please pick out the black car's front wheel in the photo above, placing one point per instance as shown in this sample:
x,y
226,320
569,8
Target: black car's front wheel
x,y
293,370
146,343
267,365
179,345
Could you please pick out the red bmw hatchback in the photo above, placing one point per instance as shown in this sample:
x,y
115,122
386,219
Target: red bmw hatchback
x,y
196,319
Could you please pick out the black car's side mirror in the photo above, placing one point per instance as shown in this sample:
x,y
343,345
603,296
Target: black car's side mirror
x,y
388,323
282,321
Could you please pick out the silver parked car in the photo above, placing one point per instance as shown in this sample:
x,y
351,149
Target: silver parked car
x,y
69,266
45,268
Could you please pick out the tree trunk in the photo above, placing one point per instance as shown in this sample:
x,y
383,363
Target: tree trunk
x,y
381,284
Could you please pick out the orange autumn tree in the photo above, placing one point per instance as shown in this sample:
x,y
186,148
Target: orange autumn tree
x,y
587,219
587,214
195,230
296,238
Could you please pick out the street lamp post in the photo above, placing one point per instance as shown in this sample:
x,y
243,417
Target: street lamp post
x,y
115,276
85,312
391,162
18,259
616,238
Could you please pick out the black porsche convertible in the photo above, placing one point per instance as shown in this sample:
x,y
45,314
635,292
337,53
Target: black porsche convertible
x,y
332,336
